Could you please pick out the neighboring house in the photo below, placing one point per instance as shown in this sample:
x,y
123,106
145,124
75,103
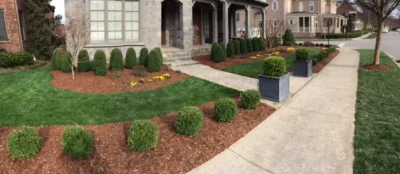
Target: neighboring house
x,y
351,10
256,23
11,25
179,26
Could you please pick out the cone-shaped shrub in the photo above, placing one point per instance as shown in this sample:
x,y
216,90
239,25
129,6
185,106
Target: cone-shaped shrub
x,y
116,60
261,44
189,121
249,45
243,46
154,61
57,56
83,61
143,136
288,38
230,50
217,53
66,62
250,99
223,47
255,43
100,63
144,53
130,58
225,110
77,142
158,49
24,143
236,44
274,66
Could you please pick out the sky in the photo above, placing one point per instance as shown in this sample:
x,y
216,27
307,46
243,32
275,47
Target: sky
x,y
59,4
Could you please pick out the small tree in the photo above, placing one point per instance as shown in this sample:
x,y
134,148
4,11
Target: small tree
x,y
288,38
273,30
382,10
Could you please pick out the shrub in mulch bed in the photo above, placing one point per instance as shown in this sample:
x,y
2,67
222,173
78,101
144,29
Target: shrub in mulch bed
x,y
225,110
144,52
24,143
174,153
77,142
377,68
230,50
320,65
36,65
250,99
236,45
143,136
189,121
130,58
83,61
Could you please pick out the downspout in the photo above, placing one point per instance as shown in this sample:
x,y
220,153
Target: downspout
x,y
19,25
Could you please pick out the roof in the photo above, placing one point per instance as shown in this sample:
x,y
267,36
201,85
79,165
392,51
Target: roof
x,y
352,4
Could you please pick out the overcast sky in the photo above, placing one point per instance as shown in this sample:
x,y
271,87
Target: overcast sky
x,y
59,4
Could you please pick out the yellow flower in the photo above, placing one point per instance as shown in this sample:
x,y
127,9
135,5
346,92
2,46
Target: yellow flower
x,y
133,84
149,80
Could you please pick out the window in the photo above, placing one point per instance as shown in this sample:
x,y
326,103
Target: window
x,y
114,20
22,24
291,22
301,5
312,6
275,5
301,22
3,29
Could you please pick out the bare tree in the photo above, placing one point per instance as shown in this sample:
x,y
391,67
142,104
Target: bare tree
x,y
382,10
77,29
274,28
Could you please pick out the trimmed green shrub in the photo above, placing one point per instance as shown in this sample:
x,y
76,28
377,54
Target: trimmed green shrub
x,y
236,44
83,61
66,62
24,143
243,46
308,44
91,64
77,142
288,38
57,57
116,60
255,43
249,46
189,121
158,49
144,53
261,44
274,66
250,99
331,49
230,50
130,58
100,63
217,53
303,54
300,44
154,61
224,48
143,136
225,110
13,59
343,35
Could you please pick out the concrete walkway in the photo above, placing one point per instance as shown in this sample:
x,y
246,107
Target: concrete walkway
x,y
312,133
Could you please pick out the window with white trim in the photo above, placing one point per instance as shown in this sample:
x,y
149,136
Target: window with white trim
x,y
311,5
275,5
301,5
291,22
3,29
114,20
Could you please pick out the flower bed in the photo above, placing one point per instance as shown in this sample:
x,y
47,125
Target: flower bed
x,y
89,83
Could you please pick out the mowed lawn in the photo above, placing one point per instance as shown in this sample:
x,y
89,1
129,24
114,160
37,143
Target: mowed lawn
x,y
377,135
27,98
253,69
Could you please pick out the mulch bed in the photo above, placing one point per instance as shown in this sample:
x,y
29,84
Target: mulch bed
x,y
36,65
320,65
89,83
377,68
174,154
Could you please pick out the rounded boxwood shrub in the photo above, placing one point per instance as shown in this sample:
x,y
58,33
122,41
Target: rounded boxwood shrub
x,y
250,99
230,50
308,44
56,58
144,53
154,61
66,62
261,44
143,136
331,49
303,54
274,66
116,60
243,46
77,142
288,38
217,53
255,43
130,58
225,110
24,143
300,44
223,47
100,63
236,44
249,46
189,121
83,61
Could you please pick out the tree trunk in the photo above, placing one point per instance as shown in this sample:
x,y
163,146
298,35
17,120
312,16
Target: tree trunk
x,y
378,43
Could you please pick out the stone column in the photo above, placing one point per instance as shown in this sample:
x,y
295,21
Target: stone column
x,y
263,28
215,23
248,13
225,25
203,41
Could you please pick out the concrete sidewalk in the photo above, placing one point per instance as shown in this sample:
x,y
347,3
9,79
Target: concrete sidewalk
x,y
312,133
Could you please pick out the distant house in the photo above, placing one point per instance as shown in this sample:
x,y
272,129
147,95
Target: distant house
x,y
351,10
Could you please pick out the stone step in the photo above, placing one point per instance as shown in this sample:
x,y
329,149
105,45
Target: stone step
x,y
180,54
178,64
177,59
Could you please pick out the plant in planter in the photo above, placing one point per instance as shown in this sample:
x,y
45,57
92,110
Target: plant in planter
x,y
274,82
303,63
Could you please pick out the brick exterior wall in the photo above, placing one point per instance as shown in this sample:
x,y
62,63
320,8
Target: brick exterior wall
x,y
345,8
11,20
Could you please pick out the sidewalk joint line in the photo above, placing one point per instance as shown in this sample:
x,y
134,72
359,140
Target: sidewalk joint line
x,y
251,162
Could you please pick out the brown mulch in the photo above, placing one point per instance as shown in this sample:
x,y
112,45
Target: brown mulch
x,y
174,154
36,65
320,65
89,83
377,68
237,60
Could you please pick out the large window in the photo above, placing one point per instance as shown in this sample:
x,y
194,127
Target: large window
x,y
275,5
3,29
312,6
114,20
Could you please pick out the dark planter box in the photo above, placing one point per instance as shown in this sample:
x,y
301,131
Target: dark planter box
x,y
274,88
302,68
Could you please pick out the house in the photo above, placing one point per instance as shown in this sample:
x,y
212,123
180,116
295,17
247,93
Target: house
x,y
182,28
11,25
352,11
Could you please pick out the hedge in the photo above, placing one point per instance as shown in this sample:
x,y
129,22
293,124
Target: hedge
x,y
24,143
217,53
15,59
100,63
224,48
144,53
130,58
243,46
288,38
77,142
255,43
57,57
261,44
343,35
236,45
154,61
249,46
116,60
230,50
143,136
303,54
83,61
66,62
274,66
158,49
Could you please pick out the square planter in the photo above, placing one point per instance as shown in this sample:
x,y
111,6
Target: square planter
x,y
274,88
302,68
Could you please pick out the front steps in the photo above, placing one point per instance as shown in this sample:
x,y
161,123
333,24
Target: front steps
x,y
175,55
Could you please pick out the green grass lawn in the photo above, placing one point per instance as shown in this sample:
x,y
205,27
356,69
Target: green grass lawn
x,y
377,136
372,36
27,98
253,69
